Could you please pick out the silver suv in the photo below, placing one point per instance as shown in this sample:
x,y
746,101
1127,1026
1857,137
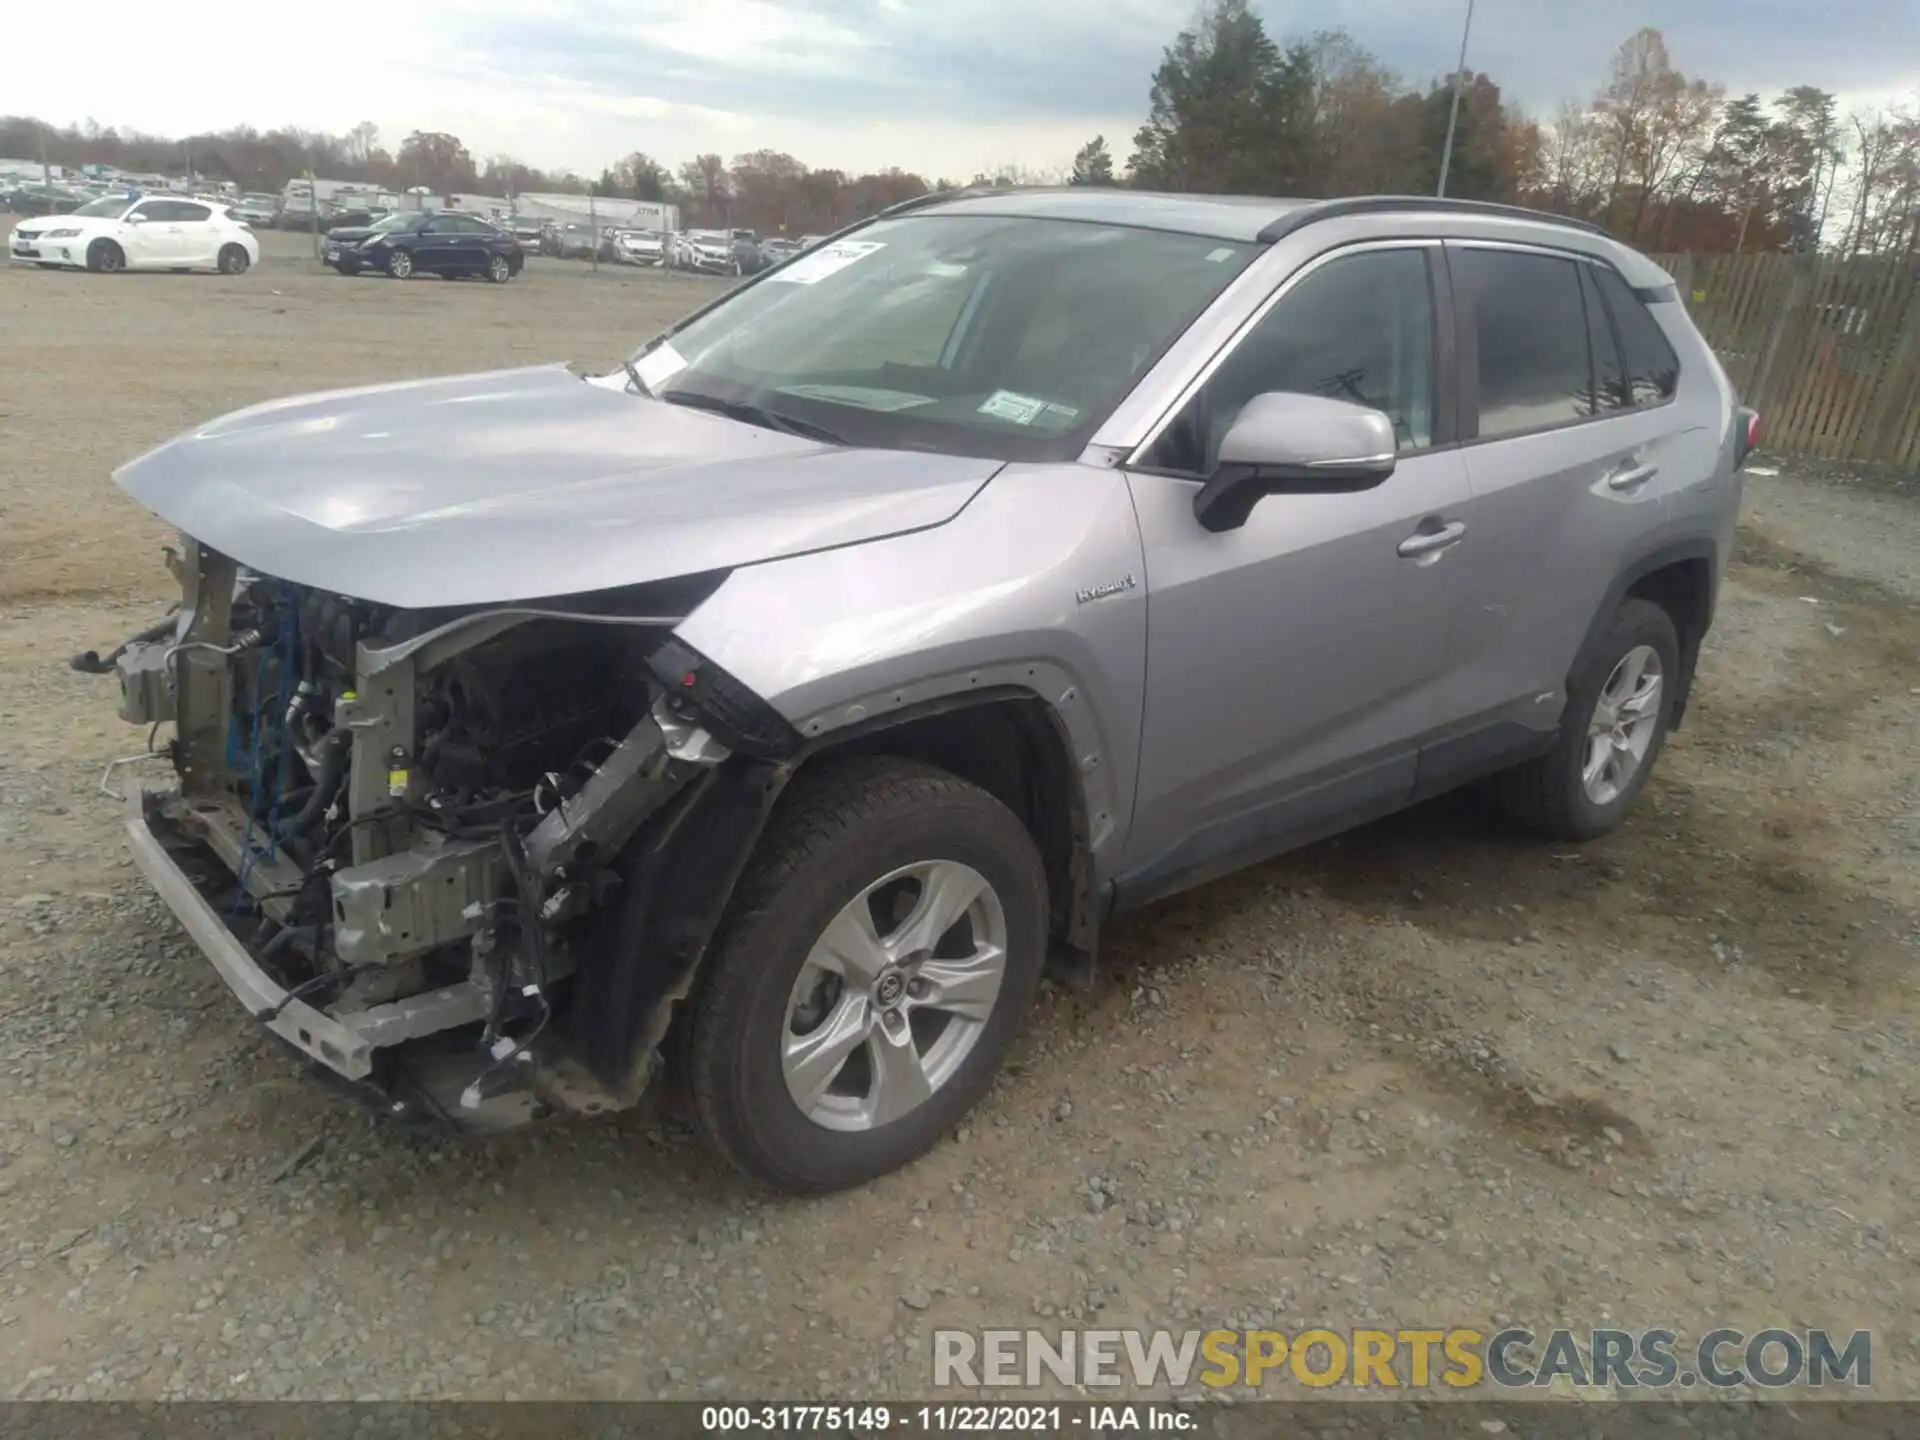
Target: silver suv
x,y
785,701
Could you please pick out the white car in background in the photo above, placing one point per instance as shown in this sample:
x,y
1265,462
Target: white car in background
x,y
138,232
641,247
256,209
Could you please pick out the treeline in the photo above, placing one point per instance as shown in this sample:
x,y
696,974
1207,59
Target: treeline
x,y
1662,158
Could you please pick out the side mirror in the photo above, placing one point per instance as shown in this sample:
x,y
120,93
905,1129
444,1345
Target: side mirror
x,y
1283,443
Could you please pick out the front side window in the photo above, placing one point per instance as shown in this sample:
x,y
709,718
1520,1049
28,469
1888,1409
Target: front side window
x,y
1530,327
108,207
999,336
1359,328
1653,370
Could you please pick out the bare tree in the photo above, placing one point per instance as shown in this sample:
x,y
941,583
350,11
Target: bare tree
x,y
1658,126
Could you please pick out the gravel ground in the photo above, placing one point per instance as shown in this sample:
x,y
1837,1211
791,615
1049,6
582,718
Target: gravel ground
x,y
1430,1074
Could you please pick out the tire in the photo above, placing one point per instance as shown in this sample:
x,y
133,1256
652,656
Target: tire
x,y
1553,794
106,256
234,260
499,270
855,830
400,264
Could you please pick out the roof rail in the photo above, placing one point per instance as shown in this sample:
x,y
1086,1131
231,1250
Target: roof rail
x,y
936,197
1389,204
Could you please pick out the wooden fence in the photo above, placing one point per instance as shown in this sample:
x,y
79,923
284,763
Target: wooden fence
x,y
1828,351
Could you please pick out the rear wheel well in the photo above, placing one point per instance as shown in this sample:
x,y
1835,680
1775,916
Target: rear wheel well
x,y
1014,750
1684,589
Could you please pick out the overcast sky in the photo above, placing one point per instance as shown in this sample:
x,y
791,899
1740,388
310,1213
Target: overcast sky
x,y
945,87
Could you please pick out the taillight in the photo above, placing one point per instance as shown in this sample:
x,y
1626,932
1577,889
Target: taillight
x,y
1749,435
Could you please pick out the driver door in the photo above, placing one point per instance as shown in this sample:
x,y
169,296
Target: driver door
x,y
145,235
1294,664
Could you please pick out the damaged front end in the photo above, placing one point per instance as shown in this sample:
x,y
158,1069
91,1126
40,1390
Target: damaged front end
x,y
465,860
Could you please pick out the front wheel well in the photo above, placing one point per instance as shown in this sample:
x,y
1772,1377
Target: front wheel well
x,y
1684,589
1014,749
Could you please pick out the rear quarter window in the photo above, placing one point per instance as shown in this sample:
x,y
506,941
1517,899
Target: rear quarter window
x,y
1652,369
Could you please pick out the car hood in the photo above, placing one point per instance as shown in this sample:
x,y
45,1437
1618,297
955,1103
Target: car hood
x,y
523,484
346,233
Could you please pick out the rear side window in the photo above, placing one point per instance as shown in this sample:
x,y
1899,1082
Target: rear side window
x,y
1653,370
1530,327
190,213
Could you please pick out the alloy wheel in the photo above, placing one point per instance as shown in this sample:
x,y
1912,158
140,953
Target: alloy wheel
x,y
894,995
1626,717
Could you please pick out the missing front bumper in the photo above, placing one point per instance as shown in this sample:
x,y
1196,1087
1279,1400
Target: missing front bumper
x,y
404,1059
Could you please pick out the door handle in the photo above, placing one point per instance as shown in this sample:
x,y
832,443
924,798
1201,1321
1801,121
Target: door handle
x,y
1632,478
1432,542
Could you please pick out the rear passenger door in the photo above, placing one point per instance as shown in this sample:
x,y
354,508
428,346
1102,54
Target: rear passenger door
x,y
193,235
1567,466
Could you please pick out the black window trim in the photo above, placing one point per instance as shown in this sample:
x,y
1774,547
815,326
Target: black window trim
x,y
1469,347
1446,352
1595,305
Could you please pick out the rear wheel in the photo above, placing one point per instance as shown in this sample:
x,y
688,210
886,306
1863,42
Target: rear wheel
x,y
106,256
1619,707
234,260
400,264
876,964
498,269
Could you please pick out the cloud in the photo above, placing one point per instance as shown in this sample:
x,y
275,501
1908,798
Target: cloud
x,y
947,87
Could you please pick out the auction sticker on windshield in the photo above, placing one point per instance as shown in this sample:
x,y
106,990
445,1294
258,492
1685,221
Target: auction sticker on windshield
x,y
659,365
827,260
1028,410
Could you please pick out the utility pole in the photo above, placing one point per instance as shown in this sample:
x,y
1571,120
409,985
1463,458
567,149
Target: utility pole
x,y
46,170
1453,114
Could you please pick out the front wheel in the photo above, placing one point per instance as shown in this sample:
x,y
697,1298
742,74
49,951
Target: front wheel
x,y
875,967
498,269
400,264
234,260
1619,708
107,256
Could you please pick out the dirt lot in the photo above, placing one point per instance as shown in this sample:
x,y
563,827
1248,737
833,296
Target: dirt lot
x,y
1431,1074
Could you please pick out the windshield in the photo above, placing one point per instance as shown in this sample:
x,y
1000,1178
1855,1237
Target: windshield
x,y
108,207
258,199
973,335
394,222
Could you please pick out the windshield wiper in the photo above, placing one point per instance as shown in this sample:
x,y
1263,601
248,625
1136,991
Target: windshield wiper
x,y
633,379
755,415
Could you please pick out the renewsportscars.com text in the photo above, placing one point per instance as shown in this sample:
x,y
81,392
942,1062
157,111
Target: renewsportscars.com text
x,y
1512,1358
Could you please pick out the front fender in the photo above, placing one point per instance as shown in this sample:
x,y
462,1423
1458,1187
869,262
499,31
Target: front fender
x,y
1038,585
